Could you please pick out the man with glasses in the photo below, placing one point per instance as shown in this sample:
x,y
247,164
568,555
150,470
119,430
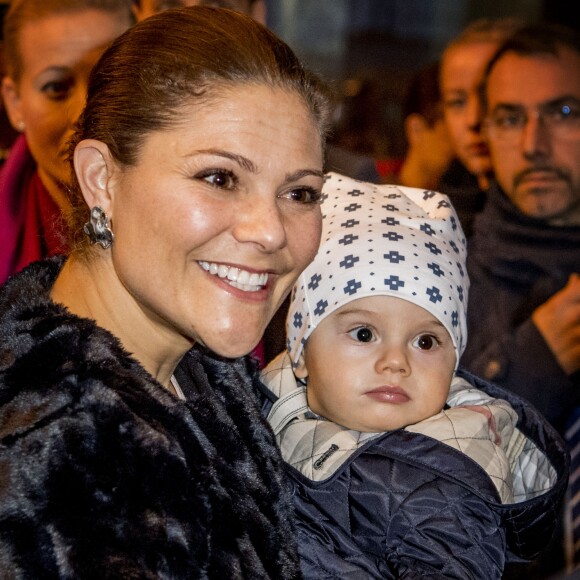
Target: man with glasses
x,y
524,256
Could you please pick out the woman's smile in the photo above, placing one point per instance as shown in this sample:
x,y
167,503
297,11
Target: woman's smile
x,y
236,277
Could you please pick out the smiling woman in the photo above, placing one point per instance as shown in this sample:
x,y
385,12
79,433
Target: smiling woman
x,y
223,190
195,206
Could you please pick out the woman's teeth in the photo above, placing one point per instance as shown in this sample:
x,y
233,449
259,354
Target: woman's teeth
x,y
241,279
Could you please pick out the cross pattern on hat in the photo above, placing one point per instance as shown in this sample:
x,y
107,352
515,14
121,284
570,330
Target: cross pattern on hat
x,y
383,240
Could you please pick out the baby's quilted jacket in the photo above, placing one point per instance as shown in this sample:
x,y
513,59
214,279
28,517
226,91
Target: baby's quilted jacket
x,y
469,493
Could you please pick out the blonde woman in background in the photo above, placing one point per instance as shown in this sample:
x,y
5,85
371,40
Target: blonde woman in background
x,y
49,49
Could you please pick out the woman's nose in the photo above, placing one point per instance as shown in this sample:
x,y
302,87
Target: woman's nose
x,y
474,112
261,222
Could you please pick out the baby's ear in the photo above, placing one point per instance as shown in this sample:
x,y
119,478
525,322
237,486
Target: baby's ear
x,y
300,371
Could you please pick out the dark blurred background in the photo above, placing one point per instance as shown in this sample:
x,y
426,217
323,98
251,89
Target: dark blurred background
x,y
369,49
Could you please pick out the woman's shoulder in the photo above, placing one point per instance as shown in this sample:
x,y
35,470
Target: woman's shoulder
x,y
53,364
41,340
88,447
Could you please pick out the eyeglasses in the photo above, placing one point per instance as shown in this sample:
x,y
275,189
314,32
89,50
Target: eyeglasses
x,y
561,119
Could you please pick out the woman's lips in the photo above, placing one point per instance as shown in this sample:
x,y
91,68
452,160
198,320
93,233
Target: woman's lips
x,y
237,277
478,150
249,286
388,394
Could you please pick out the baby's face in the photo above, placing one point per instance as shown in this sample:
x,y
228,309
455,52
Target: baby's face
x,y
377,364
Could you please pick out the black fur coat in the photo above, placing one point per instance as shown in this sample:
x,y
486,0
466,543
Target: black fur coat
x,y
105,474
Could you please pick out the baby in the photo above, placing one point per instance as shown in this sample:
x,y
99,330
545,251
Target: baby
x,y
404,465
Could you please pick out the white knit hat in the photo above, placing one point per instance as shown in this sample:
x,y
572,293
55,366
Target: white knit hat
x,y
383,240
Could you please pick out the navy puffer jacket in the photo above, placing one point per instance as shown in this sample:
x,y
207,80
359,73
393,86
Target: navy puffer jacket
x,y
474,493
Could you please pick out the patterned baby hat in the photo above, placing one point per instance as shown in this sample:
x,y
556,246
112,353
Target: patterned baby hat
x,y
387,240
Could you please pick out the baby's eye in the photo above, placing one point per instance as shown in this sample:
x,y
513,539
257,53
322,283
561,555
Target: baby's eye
x,y
361,334
306,195
219,178
425,342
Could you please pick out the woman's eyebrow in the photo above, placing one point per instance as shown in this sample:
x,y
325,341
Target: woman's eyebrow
x,y
303,173
242,161
247,164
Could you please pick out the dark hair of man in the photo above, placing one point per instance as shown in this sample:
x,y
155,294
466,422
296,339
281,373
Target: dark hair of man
x,y
533,39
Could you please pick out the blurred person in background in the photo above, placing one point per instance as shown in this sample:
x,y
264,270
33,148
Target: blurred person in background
x,y
7,133
429,151
354,142
254,8
462,66
50,47
524,255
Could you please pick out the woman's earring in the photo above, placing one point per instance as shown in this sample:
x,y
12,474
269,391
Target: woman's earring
x,y
97,228
20,126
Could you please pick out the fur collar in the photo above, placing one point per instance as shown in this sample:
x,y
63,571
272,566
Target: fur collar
x,y
106,474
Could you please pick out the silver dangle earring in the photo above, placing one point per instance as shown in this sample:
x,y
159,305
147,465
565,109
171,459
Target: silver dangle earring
x,y
97,228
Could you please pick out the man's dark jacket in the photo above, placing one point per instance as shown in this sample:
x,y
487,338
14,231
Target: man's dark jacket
x,y
515,263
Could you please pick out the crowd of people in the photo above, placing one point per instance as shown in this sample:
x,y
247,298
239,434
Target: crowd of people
x,y
228,350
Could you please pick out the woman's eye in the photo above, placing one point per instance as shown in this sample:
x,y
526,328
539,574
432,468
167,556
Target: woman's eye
x,y
454,103
57,90
426,342
361,334
306,195
219,179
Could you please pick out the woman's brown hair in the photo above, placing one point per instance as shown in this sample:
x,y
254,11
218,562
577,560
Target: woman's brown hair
x,y
175,59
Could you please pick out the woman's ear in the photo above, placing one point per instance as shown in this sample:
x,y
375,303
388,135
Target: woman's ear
x,y
94,168
11,100
300,371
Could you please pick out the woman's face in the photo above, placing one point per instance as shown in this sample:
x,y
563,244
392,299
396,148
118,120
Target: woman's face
x,y
57,54
462,71
219,216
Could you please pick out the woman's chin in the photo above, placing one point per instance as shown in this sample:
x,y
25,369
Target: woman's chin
x,y
234,349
